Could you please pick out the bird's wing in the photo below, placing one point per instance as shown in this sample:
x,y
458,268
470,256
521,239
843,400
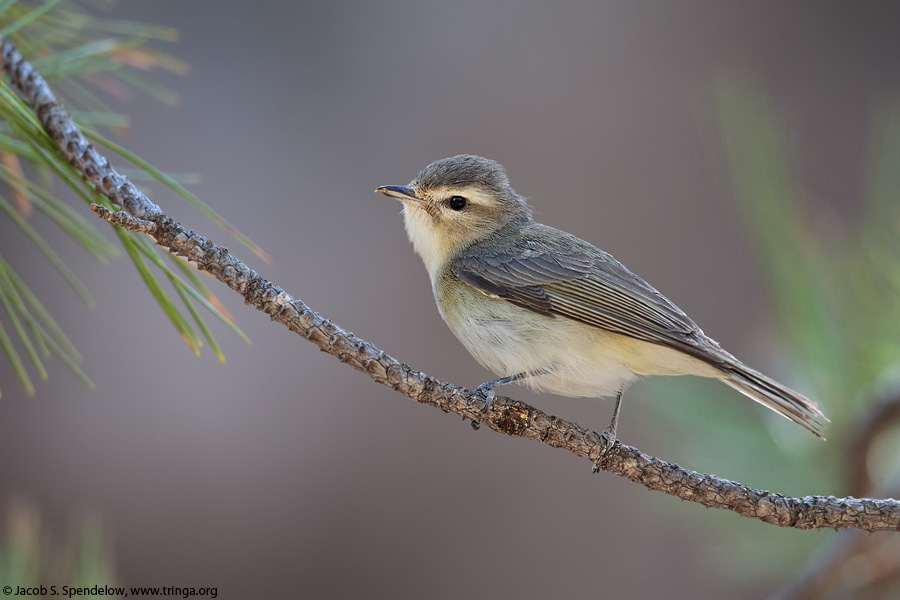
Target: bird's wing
x,y
568,277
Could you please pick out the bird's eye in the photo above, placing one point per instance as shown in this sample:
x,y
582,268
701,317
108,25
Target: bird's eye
x,y
457,202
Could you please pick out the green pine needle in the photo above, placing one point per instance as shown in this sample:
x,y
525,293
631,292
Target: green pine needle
x,y
206,298
15,361
11,312
51,254
28,18
72,222
82,54
149,251
165,303
178,189
30,300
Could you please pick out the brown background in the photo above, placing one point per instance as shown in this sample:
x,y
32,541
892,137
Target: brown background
x,y
284,473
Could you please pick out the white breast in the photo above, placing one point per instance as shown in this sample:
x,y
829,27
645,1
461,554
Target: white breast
x,y
579,360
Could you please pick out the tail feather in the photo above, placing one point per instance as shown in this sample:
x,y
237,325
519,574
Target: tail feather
x,y
783,400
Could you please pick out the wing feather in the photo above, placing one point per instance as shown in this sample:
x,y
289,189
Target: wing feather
x,y
568,277
557,274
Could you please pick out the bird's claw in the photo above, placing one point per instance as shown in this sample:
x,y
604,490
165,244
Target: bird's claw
x,y
486,395
608,439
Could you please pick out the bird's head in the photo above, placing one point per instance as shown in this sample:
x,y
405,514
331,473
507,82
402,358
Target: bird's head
x,y
455,202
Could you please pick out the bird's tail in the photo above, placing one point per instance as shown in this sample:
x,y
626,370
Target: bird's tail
x,y
783,400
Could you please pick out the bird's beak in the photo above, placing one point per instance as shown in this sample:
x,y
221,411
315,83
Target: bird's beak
x,y
399,192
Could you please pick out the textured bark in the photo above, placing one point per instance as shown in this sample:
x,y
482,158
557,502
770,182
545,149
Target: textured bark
x,y
503,415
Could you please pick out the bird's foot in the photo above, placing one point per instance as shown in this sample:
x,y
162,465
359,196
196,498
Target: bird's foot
x,y
607,442
485,394
608,439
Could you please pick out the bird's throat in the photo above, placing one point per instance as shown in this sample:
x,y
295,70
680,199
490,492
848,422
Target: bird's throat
x,y
428,243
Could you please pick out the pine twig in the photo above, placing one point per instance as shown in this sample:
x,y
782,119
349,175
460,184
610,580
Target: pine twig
x,y
502,415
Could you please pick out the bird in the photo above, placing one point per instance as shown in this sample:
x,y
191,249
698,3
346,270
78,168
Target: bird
x,y
541,307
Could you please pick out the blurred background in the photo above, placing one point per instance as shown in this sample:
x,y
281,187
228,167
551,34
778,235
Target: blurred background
x,y
739,156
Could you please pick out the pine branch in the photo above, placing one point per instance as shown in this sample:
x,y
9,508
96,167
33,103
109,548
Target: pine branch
x,y
503,415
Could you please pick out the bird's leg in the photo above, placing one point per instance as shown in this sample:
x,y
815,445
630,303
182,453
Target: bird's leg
x,y
608,437
486,389
609,434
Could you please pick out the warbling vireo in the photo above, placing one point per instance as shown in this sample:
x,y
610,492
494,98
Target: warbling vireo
x,y
544,308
